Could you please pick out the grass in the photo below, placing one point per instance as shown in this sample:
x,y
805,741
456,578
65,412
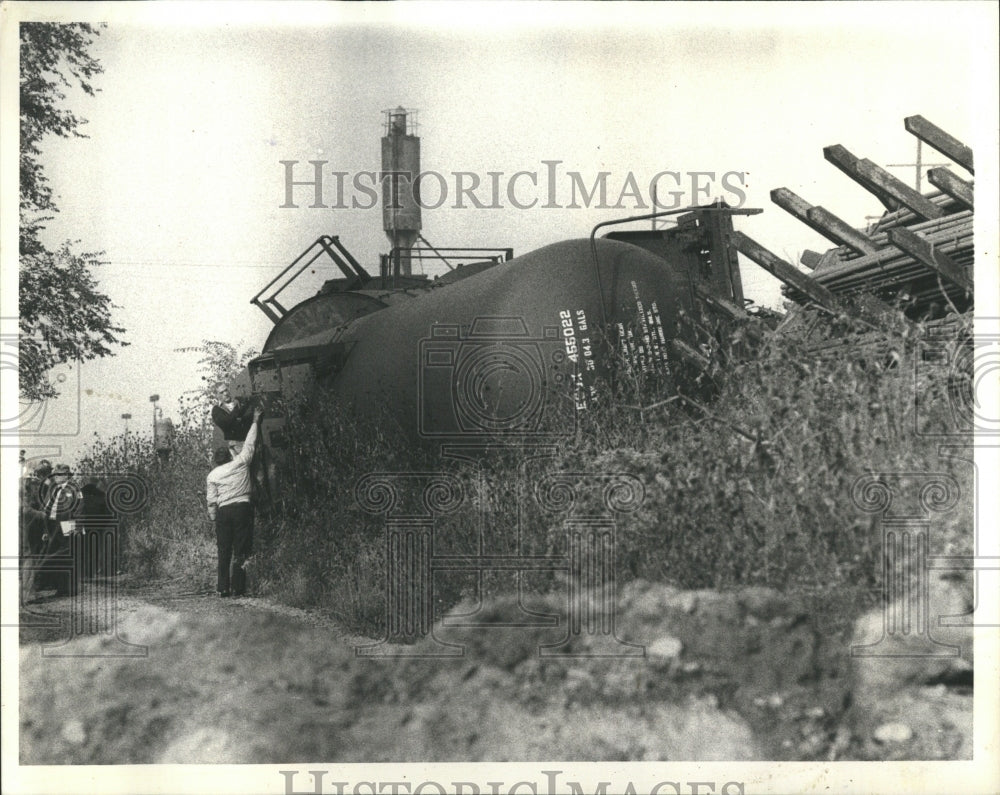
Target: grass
x,y
751,488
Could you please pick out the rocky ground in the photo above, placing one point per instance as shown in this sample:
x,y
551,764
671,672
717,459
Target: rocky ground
x,y
741,675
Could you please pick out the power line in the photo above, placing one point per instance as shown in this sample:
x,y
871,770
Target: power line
x,y
212,265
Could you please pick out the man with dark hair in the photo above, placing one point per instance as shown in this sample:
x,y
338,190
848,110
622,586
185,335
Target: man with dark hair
x,y
232,416
229,507
60,566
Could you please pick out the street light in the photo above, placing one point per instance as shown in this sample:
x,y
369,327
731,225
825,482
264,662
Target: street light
x,y
126,417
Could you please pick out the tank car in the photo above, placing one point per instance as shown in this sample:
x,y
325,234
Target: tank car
x,y
512,348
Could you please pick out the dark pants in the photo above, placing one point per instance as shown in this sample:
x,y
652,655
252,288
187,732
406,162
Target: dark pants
x,y
61,564
34,529
234,533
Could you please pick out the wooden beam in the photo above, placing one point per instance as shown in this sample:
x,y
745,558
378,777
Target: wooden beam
x,y
824,222
900,191
875,311
686,351
934,136
848,163
892,192
959,189
921,250
810,259
782,270
829,259
727,307
839,231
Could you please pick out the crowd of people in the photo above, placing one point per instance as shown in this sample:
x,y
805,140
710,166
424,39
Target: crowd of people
x,y
69,534
67,530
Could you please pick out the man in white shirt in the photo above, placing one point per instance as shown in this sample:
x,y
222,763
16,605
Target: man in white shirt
x,y
229,507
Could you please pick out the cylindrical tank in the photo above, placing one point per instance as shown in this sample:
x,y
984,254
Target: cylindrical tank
x,y
401,162
516,349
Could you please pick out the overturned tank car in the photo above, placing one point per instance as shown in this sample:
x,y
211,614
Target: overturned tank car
x,y
503,346
517,346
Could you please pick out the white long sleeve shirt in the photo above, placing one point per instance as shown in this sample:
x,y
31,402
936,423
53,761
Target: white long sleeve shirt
x,y
230,483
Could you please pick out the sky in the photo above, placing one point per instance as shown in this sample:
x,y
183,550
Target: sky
x,y
180,181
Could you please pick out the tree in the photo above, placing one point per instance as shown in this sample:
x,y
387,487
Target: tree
x,y
63,315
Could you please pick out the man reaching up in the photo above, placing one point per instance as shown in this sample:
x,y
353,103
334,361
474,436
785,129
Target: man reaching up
x,y
229,507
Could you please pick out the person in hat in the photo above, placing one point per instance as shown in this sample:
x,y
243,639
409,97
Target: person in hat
x,y
98,529
229,506
31,523
60,499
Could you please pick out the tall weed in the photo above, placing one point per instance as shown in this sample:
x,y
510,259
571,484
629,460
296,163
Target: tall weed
x,y
747,480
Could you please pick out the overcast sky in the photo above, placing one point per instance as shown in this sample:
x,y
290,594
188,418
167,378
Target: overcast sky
x,y
180,182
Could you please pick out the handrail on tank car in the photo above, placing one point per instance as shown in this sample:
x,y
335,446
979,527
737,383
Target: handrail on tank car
x,y
351,268
716,208
493,254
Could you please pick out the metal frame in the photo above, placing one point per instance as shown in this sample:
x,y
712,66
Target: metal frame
x,y
334,249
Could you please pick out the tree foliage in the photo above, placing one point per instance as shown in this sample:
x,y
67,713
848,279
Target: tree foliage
x,y
219,364
63,315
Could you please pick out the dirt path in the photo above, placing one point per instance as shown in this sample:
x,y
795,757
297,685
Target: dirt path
x,y
48,619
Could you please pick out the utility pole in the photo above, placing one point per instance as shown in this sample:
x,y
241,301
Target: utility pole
x,y
919,166
154,399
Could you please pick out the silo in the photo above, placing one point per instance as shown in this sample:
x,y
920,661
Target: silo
x,y
400,167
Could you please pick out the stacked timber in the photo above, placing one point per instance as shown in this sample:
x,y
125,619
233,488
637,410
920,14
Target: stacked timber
x,y
917,258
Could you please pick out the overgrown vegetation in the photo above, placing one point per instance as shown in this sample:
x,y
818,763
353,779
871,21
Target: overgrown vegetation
x,y
754,488
172,536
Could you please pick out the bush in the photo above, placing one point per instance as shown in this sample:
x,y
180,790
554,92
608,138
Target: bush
x,y
170,536
753,488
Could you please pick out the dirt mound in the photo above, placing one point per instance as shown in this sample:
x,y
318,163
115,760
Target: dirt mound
x,y
741,675
912,691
